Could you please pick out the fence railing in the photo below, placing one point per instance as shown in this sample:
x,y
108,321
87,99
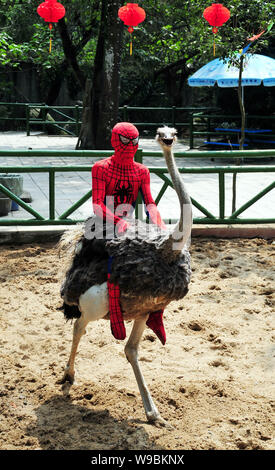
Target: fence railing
x,y
17,106
198,121
208,218
169,115
63,119
71,116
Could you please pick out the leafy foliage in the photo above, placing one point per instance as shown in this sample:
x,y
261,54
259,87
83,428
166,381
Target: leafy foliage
x,y
170,44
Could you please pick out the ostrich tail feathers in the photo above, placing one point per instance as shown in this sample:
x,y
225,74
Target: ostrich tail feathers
x,y
70,239
70,311
68,245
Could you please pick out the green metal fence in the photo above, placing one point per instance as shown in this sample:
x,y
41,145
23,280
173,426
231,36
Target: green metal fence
x,y
174,116
162,173
70,116
170,115
15,112
61,120
199,121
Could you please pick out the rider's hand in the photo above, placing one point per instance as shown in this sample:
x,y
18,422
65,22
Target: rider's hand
x,y
122,226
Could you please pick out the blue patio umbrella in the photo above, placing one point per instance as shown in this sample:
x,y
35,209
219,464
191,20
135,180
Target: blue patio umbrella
x,y
258,69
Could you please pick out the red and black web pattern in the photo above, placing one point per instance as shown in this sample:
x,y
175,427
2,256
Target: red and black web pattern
x,y
123,184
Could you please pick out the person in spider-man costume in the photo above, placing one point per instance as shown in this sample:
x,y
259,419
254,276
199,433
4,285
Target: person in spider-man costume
x,y
121,177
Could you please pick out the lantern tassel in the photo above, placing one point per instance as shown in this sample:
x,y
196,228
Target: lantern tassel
x,y
214,47
50,27
131,30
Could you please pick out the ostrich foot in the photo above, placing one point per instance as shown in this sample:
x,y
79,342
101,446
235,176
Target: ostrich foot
x,y
158,421
66,382
67,377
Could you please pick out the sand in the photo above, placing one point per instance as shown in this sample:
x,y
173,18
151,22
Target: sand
x,y
213,380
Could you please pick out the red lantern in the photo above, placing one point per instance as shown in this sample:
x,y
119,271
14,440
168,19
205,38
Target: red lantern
x,y
51,11
216,15
131,15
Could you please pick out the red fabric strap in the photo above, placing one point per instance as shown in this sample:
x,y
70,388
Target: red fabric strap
x,y
116,317
155,322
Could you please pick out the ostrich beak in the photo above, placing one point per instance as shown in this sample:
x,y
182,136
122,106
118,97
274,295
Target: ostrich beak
x,y
168,142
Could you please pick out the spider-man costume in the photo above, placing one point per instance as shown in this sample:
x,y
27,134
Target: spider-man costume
x,y
121,177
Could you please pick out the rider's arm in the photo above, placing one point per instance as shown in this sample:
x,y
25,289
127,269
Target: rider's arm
x,y
149,202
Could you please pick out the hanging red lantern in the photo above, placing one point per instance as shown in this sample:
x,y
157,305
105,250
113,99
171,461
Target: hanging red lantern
x,y
131,15
51,11
216,15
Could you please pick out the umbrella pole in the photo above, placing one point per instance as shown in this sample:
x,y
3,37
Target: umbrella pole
x,y
241,141
241,103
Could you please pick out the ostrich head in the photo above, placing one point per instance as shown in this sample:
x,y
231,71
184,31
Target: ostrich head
x,y
166,136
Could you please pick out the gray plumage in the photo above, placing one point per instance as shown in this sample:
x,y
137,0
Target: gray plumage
x,y
139,267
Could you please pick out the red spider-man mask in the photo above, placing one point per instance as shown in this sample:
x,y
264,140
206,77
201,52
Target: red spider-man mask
x,y
125,142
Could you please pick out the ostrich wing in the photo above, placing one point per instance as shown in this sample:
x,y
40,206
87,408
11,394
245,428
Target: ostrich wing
x,y
139,269
138,266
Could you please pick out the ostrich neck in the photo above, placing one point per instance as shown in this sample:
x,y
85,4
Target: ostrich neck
x,y
182,231
181,191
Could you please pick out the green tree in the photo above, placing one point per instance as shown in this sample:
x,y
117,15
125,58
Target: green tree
x,y
169,45
24,38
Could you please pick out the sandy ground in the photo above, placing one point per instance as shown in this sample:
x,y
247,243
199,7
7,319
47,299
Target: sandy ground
x,y
213,381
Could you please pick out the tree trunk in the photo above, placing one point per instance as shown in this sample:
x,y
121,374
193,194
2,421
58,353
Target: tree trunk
x,y
54,87
86,111
101,99
70,53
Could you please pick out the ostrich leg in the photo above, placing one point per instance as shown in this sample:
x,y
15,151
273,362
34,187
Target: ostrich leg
x,y
131,352
94,305
78,332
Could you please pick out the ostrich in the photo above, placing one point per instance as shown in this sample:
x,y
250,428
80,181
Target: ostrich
x,y
152,268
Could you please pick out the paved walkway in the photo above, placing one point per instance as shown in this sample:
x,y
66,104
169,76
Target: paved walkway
x,y
72,186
